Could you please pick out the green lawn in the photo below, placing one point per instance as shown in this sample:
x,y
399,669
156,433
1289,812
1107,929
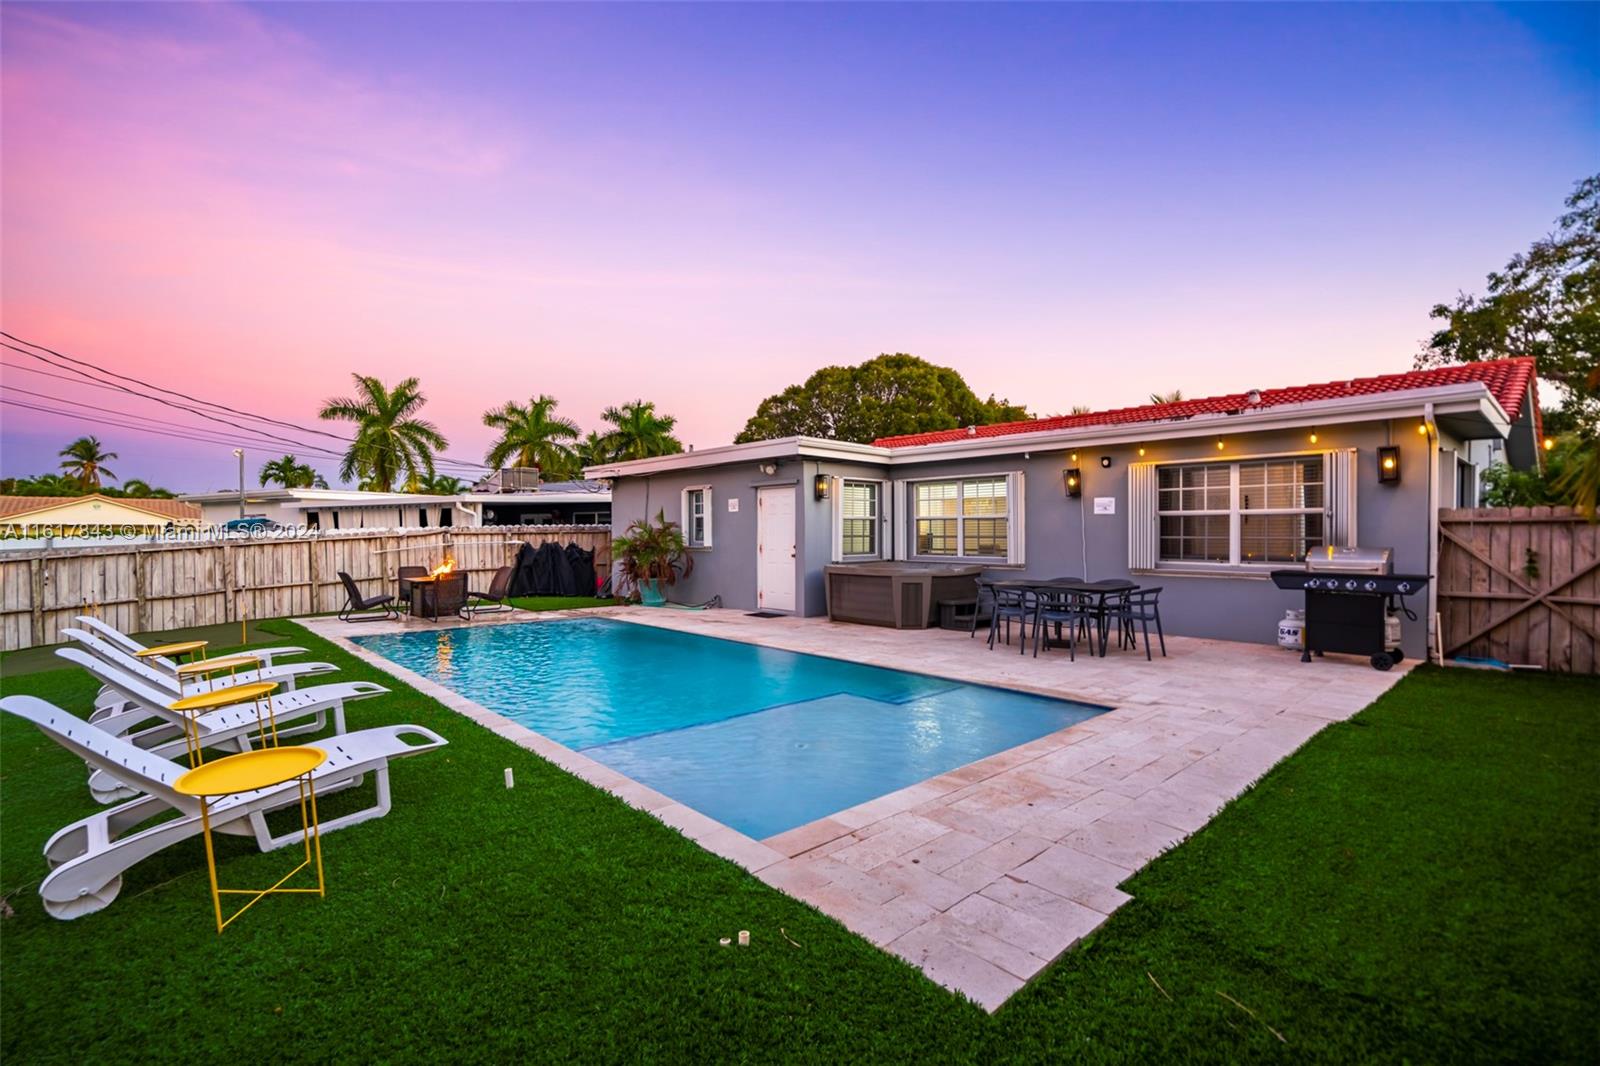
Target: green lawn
x,y
1418,883
558,603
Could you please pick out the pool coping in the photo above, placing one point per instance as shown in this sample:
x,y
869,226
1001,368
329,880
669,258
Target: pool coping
x,y
986,874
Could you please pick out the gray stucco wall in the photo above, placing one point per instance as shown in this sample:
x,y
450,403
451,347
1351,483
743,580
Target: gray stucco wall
x,y
1066,537
1063,535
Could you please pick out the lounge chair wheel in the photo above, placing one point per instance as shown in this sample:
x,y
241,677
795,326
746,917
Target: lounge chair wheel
x,y
87,903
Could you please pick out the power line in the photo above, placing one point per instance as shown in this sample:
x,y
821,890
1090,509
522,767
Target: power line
x,y
438,460
80,417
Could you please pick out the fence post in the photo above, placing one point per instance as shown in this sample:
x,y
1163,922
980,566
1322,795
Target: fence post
x,y
36,608
141,591
315,576
227,582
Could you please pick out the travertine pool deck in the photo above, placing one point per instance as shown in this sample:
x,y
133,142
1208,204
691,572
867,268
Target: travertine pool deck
x,y
984,875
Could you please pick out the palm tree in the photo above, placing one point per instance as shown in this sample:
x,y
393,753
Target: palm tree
x,y
84,462
638,432
140,489
594,449
534,436
1175,396
438,485
390,439
289,472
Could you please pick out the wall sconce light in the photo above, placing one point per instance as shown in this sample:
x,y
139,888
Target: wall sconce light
x,y
819,486
1389,464
1074,481
1313,436
1105,462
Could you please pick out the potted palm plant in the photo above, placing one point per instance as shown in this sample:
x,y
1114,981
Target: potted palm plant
x,y
651,556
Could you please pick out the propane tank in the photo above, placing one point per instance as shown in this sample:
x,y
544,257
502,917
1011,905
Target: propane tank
x,y
1292,629
1391,628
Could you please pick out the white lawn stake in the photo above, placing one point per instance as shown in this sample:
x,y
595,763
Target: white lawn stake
x,y
511,782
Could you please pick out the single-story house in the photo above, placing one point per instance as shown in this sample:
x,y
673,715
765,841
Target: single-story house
x,y
550,503
1200,497
93,514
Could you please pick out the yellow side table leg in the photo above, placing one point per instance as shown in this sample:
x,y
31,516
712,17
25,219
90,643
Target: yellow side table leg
x,y
211,861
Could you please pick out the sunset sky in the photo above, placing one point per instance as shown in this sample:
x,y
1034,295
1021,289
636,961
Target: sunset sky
x,y
700,205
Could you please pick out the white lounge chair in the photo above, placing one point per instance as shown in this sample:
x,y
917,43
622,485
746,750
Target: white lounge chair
x,y
296,713
88,857
108,700
115,638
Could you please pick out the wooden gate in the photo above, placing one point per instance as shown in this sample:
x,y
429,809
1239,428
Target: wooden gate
x,y
1522,585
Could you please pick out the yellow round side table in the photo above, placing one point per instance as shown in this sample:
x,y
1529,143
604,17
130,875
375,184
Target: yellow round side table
x,y
194,649
203,669
192,707
242,773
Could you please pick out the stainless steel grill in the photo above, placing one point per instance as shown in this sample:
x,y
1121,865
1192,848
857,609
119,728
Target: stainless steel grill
x,y
1351,560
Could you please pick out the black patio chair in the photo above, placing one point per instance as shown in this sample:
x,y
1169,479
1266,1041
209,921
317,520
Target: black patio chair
x,y
406,573
1142,606
985,592
375,607
1012,604
1071,613
493,601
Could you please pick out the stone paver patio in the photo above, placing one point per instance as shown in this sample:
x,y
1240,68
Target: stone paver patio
x,y
984,875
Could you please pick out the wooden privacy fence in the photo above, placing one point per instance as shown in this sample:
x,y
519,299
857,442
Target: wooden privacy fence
x,y
148,587
1522,585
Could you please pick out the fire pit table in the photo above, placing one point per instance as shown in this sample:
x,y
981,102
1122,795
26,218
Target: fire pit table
x,y
437,595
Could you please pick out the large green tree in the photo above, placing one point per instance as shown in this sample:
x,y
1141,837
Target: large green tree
x,y
535,436
84,461
1544,303
391,440
637,432
594,449
881,397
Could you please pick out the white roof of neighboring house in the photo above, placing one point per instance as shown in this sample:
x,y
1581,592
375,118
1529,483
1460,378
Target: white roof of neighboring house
x,y
311,499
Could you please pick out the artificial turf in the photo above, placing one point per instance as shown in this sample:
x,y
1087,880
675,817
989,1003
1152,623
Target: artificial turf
x,y
1417,883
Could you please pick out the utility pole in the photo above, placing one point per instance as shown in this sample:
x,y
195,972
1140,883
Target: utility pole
x,y
239,453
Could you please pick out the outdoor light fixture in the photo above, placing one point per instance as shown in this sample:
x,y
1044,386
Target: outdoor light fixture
x,y
769,469
1074,479
1074,456
819,486
1422,427
1105,462
1389,464
1549,443
1219,444
1313,436
1141,451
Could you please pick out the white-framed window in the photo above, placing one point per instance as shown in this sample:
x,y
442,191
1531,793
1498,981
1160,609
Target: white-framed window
x,y
697,516
1248,511
858,519
966,518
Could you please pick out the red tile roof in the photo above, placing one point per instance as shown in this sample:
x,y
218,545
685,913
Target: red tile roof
x,y
1506,379
12,507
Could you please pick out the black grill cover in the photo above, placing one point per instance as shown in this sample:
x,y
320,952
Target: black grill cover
x,y
546,571
582,563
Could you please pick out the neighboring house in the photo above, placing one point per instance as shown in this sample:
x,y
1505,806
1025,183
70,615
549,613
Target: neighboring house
x,y
75,516
564,503
1202,498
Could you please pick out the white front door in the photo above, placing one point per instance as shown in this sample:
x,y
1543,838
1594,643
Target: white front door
x,y
775,548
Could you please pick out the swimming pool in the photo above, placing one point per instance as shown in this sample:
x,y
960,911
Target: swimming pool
x,y
759,739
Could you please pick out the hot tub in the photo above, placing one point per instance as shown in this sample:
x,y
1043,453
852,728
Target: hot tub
x,y
902,595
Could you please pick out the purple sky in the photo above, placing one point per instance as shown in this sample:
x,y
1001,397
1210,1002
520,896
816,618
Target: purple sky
x,y
700,205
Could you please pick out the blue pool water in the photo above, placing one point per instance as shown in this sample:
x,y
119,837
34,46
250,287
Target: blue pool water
x,y
759,739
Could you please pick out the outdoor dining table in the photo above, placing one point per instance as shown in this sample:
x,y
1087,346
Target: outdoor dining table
x,y
1100,590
